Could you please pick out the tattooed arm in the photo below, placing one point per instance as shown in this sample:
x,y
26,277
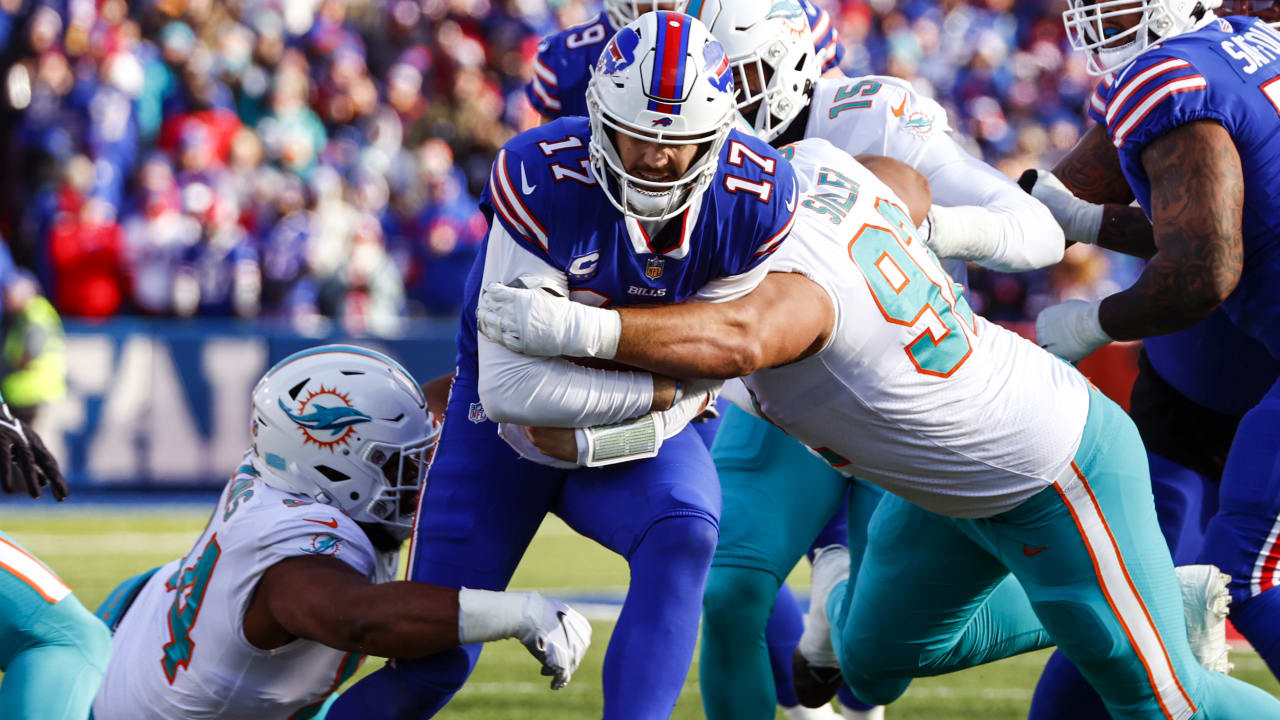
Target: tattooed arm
x,y
1092,172
1197,197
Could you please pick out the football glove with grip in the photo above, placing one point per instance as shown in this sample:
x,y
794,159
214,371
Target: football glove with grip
x,y
537,321
1080,219
1071,329
554,633
25,464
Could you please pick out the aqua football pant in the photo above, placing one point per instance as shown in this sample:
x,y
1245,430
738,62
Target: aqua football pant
x,y
934,594
52,650
777,497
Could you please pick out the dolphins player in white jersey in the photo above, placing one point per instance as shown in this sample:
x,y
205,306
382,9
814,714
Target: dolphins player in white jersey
x,y
289,586
998,458
978,214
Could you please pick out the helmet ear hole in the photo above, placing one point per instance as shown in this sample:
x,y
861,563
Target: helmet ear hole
x,y
355,496
333,475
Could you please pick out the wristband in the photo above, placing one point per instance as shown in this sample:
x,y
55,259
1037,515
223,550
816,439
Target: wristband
x,y
636,439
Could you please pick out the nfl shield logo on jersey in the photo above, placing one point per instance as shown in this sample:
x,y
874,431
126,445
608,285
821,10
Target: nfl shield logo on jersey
x,y
475,413
654,267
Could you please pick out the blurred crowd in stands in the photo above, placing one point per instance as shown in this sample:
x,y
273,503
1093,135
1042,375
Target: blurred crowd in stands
x,y
320,160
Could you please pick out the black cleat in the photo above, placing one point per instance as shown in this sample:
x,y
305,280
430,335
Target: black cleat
x,y
815,686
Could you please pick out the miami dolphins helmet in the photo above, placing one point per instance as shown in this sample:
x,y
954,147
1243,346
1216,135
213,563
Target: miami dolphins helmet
x,y
1113,32
344,426
771,50
661,79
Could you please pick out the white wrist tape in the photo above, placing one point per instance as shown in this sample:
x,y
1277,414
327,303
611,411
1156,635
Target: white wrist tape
x,y
965,232
484,615
1080,220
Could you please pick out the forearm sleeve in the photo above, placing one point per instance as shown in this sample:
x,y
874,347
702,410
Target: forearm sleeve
x,y
548,392
551,392
984,215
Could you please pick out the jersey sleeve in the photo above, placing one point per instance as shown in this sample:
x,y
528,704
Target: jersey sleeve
x,y
826,39
543,90
1097,108
511,200
316,529
1154,95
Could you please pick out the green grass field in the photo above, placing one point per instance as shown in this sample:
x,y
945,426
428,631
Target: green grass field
x,y
93,548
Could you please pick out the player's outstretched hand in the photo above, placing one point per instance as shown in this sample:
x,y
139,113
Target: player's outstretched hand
x,y
538,321
1071,329
25,464
557,635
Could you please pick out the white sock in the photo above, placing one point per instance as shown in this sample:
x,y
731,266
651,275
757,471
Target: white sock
x,y
830,566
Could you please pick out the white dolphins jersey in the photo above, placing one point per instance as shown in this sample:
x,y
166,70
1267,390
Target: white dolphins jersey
x,y
912,392
881,115
180,651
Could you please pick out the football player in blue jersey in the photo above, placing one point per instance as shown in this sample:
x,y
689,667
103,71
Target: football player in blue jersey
x,y
1187,113
563,64
558,88
653,199
53,651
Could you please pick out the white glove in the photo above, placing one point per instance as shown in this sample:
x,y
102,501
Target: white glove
x,y
1071,329
557,635
537,322
1080,219
520,442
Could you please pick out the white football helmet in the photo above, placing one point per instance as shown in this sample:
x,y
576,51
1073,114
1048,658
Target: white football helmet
x,y
771,48
621,12
1113,32
661,79
348,427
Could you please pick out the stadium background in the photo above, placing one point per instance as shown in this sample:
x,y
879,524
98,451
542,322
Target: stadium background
x,y
253,175
202,186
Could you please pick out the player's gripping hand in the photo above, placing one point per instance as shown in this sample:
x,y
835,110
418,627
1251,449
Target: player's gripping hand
x,y
25,464
1071,329
557,635
538,321
1080,219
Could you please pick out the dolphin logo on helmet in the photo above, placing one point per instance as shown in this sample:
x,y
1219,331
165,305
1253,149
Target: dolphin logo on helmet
x,y
333,419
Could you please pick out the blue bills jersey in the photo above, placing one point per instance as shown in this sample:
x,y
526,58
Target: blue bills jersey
x,y
1229,72
563,64
543,193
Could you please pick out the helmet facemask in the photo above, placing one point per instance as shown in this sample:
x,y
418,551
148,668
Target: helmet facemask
x,y
1103,29
769,97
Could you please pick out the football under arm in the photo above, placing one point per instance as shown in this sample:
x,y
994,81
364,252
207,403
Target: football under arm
x,y
1091,171
323,599
786,318
1197,202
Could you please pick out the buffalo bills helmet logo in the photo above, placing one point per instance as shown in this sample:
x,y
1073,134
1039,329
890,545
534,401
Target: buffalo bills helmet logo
x,y
620,53
716,65
662,122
